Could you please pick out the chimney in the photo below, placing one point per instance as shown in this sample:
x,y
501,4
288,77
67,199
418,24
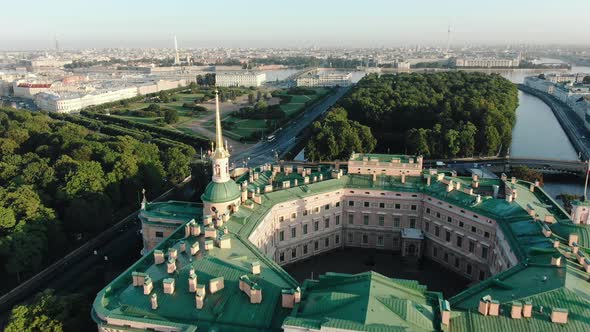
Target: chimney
x,y
547,231
321,177
138,278
475,184
504,177
537,183
244,195
474,177
210,232
556,244
314,178
527,309
287,298
187,228
225,217
173,253
532,187
509,198
192,281
494,308
305,179
200,296
573,238
148,286
484,305
216,284
224,242
428,181
559,315
154,301
158,256
513,180
194,248
575,248
586,264
297,294
255,267
457,185
516,312
169,285
295,182
255,294
207,220
171,265
195,229
450,186
445,313
556,260
478,199
286,184
208,244
403,177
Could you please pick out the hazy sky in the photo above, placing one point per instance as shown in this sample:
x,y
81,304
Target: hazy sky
x,y
278,23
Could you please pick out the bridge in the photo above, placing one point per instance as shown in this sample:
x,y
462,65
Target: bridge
x,y
504,164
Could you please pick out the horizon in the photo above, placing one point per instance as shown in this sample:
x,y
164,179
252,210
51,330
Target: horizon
x,y
328,24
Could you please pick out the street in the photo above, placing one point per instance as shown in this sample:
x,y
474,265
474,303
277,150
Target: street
x,y
264,152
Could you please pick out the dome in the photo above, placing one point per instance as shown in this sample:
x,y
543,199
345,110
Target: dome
x,y
221,192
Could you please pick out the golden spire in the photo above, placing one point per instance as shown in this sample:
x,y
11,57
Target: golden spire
x,y
218,136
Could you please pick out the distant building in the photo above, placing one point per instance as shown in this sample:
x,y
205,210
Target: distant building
x,y
240,78
71,102
324,79
486,63
29,90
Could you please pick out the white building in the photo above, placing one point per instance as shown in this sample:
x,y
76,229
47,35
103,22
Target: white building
x,y
486,63
239,78
66,103
324,79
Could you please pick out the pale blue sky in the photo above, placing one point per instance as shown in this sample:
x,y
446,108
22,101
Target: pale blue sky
x,y
279,23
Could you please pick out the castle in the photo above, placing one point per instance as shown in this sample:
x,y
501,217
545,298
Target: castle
x,y
216,266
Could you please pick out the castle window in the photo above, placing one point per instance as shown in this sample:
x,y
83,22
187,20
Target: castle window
x,y
305,229
293,232
327,223
412,222
281,236
382,205
471,246
484,252
350,218
366,204
305,249
365,239
459,241
436,230
316,226
350,237
365,219
381,220
293,215
396,222
327,207
316,245
350,203
486,235
337,218
282,257
414,207
337,239
448,236
159,234
327,242
293,253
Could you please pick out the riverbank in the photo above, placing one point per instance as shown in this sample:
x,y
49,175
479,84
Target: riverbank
x,y
566,118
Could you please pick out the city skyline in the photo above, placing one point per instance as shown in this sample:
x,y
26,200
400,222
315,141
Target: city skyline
x,y
304,24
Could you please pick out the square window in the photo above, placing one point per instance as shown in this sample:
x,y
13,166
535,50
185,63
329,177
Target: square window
x,y
461,224
486,235
337,204
281,218
159,234
350,203
366,204
382,205
397,206
414,207
380,242
305,212
473,229
428,210
327,207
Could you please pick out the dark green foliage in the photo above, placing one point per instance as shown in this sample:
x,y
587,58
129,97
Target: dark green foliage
x,y
171,116
61,183
50,313
438,115
336,137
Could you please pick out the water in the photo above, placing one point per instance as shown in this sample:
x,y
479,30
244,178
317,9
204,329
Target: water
x,y
537,134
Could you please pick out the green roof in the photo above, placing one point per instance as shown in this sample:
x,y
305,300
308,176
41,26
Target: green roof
x,y
220,192
226,309
365,302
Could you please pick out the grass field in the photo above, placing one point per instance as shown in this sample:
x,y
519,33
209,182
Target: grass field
x,y
244,128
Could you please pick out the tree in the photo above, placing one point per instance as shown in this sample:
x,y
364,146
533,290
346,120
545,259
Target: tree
x,y
417,141
526,174
258,95
87,178
171,116
336,137
251,99
586,79
153,108
177,164
7,219
453,143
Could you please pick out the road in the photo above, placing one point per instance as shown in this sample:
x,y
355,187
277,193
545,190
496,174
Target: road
x,y
264,152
